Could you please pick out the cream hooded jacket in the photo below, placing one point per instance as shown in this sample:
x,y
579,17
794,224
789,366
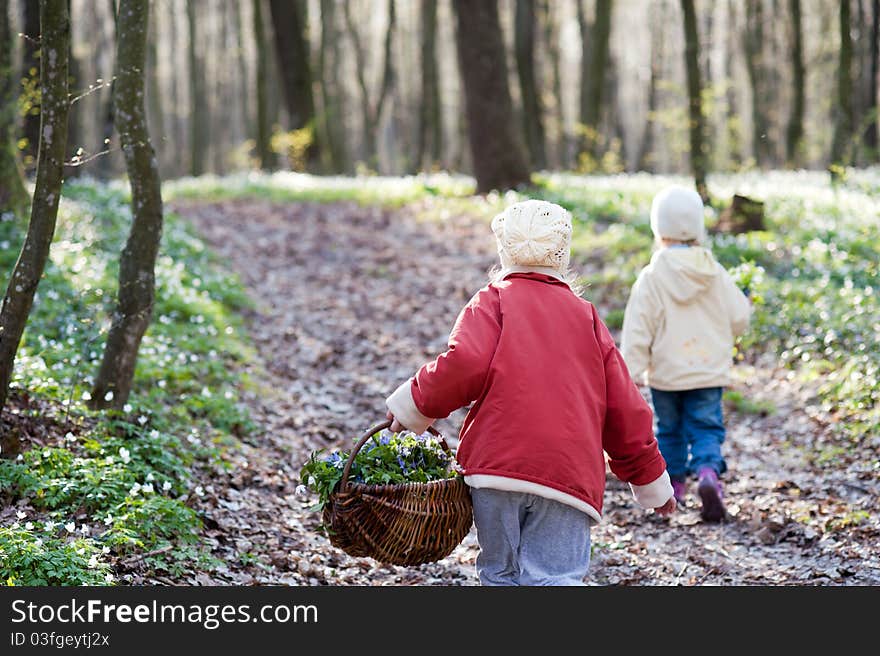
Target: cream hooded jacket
x,y
683,315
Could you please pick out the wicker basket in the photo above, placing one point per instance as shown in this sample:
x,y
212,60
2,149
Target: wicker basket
x,y
398,524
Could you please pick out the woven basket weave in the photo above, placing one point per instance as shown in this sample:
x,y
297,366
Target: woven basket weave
x,y
398,524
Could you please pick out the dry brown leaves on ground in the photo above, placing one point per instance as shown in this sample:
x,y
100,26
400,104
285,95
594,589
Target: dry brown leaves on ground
x,y
351,300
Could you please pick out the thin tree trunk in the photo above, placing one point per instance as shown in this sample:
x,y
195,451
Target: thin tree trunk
x,y
137,262
732,120
795,132
330,71
430,127
243,77
371,114
74,122
30,65
498,155
695,107
199,118
532,112
844,119
104,163
871,135
156,115
13,195
585,30
551,39
54,108
263,135
645,160
292,47
754,50
600,39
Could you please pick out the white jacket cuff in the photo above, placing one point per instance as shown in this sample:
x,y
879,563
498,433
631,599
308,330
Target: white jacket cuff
x,y
654,494
403,407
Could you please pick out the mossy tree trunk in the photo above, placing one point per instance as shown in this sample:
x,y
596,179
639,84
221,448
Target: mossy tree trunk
x,y
843,120
137,262
13,195
497,152
696,121
30,72
54,109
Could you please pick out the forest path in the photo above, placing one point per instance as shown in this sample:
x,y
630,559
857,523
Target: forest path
x,y
351,300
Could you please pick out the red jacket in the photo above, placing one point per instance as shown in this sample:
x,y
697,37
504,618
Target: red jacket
x,y
550,392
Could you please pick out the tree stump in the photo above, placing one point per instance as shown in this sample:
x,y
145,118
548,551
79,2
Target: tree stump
x,y
743,215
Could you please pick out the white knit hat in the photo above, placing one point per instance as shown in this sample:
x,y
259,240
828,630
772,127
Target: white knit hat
x,y
677,213
533,233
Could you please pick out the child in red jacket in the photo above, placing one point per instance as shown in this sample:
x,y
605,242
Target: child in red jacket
x,y
549,392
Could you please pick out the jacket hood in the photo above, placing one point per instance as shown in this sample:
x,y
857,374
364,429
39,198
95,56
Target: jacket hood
x,y
685,273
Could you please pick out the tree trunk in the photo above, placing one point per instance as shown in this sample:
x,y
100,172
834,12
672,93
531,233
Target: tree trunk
x,y
498,156
844,116
645,160
871,135
54,107
330,73
754,50
74,121
733,126
292,48
795,132
263,133
155,113
429,139
104,162
137,262
372,114
13,195
532,113
30,66
551,39
695,106
598,63
198,118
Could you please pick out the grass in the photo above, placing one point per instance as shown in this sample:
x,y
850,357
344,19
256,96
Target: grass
x,y
105,485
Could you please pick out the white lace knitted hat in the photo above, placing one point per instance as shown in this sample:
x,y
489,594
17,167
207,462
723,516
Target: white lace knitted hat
x,y
533,233
677,213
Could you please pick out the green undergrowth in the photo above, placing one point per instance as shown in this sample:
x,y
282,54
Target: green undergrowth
x,y
102,487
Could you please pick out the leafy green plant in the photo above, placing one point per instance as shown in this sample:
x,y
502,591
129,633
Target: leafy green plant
x,y
386,458
31,559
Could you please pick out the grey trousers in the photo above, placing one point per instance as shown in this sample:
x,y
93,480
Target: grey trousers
x,y
526,539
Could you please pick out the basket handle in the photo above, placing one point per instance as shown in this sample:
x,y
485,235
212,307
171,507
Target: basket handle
x,y
367,435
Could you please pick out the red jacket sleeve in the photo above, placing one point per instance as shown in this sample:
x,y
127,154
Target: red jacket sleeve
x,y
628,433
456,378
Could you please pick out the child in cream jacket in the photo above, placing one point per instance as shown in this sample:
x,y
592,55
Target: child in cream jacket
x,y
679,327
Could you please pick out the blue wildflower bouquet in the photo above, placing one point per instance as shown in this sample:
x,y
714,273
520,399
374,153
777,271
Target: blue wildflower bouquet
x,y
386,458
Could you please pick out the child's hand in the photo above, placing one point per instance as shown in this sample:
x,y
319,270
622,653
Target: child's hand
x,y
396,426
667,508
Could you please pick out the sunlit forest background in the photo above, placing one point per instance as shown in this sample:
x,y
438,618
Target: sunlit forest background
x,y
374,86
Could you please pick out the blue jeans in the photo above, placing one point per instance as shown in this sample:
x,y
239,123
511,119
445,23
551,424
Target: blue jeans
x,y
526,539
690,430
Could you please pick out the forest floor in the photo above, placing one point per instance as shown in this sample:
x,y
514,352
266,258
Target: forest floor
x,y
351,300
